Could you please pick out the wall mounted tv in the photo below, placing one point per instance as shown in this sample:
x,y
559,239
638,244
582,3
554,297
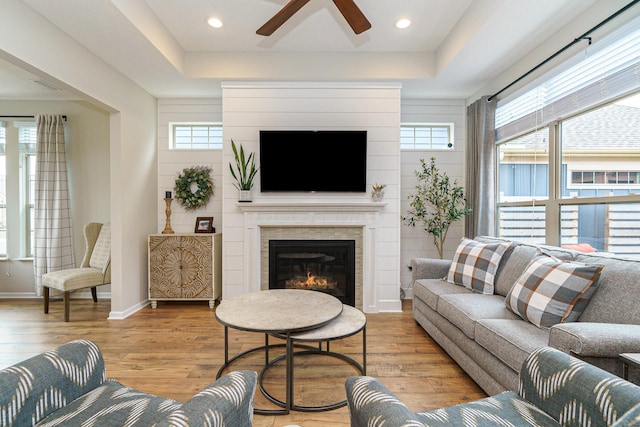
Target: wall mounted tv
x,y
322,161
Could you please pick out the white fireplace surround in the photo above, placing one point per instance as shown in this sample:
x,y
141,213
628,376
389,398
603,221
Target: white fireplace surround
x,y
291,214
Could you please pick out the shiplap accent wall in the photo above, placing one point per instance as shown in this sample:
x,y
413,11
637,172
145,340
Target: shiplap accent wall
x,y
172,162
251,107
415,242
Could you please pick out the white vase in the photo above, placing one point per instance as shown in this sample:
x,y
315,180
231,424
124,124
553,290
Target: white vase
x,y
244,196
377,196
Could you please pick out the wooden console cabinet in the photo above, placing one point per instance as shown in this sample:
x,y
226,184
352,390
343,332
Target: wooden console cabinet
x,y
185,267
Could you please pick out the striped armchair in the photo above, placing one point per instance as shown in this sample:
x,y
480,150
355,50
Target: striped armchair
x,y
67,386
95,269
555,390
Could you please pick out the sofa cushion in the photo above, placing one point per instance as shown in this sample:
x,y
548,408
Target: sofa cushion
x,y
112,404
587,339
549,289
464,310
516,259
429,290
618,296
511,341
475,264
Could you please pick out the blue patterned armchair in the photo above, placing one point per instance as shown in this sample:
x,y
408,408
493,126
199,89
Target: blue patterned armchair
x,y
555,390
68,386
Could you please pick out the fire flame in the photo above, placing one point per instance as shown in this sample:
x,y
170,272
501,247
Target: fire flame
x,y
311,282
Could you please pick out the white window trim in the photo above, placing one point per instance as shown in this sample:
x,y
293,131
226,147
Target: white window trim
x,y
172,126
451,127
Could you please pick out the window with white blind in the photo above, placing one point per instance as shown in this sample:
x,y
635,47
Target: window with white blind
x,y
195,136
569,150
426,136
607,70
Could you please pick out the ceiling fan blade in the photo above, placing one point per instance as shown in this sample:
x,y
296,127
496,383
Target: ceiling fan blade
x,y
281,17
353,15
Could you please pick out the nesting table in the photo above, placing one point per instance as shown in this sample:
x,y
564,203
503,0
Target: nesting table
x,y
294,315
627,360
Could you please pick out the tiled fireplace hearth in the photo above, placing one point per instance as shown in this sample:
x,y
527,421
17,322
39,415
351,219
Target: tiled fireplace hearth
x,y
356,222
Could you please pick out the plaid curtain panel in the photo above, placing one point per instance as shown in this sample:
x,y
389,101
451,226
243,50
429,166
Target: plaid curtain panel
x,y
549,290
475,264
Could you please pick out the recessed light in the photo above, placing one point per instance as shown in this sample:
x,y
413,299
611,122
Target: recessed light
x,y
214,22
403,23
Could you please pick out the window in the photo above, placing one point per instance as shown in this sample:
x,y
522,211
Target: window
x,y
17,174
523,173
437,136
590,196
3,192
195,136
29,165
617,178
607,70
569,152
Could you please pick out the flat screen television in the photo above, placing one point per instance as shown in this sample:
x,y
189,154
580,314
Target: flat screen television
x,y
313,161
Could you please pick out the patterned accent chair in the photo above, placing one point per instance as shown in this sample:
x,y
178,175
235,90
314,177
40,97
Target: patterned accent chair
x,y
67,386
555,389
95,269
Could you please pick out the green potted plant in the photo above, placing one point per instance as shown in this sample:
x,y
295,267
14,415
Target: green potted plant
x,y
244,173
436,204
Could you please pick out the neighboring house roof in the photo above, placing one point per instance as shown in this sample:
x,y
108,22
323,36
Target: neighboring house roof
x,y
613,127
610,128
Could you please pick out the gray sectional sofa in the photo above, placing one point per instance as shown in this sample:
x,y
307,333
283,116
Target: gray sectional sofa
x,y
491,342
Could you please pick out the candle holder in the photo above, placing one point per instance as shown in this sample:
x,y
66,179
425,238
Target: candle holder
x,y
167,211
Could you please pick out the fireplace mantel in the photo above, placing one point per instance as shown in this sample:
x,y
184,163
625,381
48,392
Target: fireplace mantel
x,y
362,216
311,207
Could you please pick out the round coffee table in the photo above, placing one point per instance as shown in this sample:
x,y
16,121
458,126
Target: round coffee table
x,y
276,311
350,322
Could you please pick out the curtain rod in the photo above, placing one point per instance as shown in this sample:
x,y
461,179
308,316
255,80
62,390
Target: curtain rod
x,y
578,39
33,117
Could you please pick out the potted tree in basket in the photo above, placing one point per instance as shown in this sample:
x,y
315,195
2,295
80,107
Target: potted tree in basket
x,y
244,172
436,204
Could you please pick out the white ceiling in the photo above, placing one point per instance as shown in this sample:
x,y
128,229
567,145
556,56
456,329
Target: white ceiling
x,y
452,48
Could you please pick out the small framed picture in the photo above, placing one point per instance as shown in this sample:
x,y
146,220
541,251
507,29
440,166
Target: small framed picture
x,y
204,224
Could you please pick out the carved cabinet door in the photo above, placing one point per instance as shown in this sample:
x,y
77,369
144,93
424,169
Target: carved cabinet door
x,y
180,267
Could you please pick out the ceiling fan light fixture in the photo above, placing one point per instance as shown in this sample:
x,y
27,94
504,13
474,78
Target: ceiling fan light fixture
x,y
214,22
403,23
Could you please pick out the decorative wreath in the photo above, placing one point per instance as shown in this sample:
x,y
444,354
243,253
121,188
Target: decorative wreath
x,y
194,187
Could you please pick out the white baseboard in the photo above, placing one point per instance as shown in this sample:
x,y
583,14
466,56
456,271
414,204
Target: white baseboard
x,y
390,306
32,295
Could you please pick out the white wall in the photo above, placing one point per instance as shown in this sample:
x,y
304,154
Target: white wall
x,y
251,107
89,139
87,143
415,242
172,162
30,41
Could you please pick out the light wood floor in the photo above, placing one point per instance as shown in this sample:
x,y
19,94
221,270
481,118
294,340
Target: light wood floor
x,y
176,350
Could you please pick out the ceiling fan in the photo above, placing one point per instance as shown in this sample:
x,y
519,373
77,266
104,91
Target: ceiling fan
x,y
348,8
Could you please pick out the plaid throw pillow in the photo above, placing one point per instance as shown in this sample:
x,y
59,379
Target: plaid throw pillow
x,y
475,264
550,290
